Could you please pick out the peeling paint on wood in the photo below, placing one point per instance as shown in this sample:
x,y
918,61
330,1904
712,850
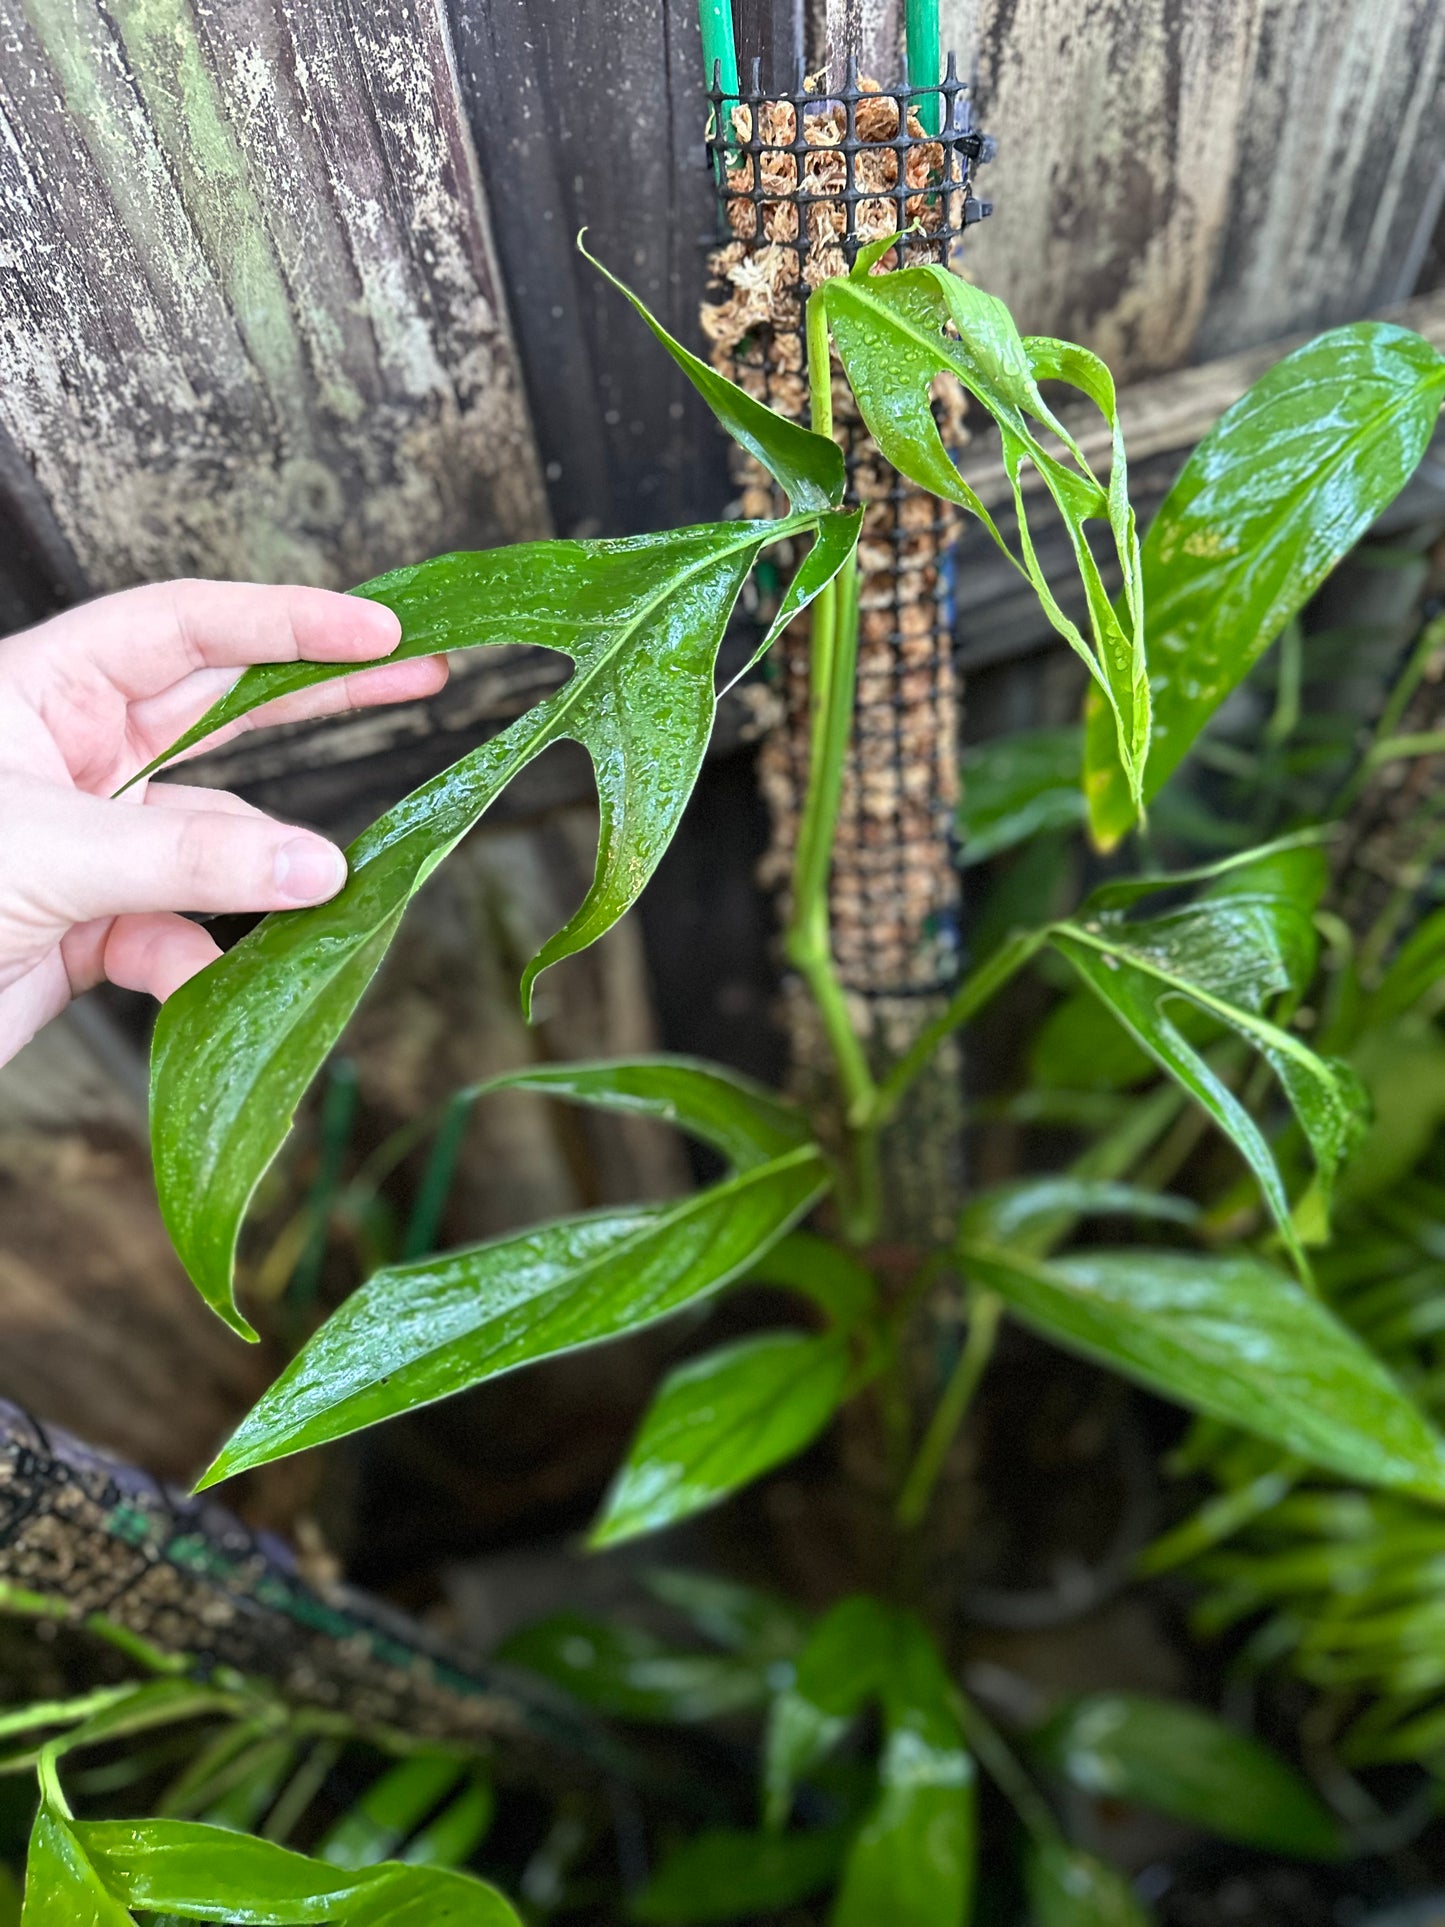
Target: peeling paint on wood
x,y
251,323
1178,181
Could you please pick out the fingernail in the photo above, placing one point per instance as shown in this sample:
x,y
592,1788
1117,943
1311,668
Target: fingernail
x,y
309,870
380,626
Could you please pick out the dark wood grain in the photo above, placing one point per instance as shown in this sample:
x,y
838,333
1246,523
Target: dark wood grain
x,y
771,32
593,116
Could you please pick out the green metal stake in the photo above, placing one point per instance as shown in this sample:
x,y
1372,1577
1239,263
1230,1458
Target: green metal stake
x,y
719,58
924,68
719,48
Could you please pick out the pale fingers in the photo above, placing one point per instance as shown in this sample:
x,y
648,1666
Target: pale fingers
x,y
157,722
141,641
79,857
156,953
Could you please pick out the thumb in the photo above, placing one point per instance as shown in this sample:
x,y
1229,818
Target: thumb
x,y
89,857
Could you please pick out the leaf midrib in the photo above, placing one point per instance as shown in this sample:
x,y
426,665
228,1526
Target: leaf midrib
x,y
558,708
665,1220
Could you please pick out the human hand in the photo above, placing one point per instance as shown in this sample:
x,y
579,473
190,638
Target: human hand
x,y
91,888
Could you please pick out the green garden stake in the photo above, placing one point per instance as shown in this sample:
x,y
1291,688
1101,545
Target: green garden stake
x,y
921,29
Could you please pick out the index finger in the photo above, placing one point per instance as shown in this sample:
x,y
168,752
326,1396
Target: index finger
x,y
140,641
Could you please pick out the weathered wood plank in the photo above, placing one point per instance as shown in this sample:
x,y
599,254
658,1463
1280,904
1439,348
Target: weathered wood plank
x,y
592,116
871,31
770,32
1180,182
251,322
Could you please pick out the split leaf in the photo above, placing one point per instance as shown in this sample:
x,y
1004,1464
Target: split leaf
x,y
236,1048
894,336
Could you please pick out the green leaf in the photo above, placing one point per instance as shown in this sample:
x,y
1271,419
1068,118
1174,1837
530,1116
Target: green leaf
x,y
622,1670
1230,1336
414,1333
745,1121
391,1809
454,1836
808,467
730,1875
841,1668
210,1873
62,1888
10,1899
1184,1762
720,1421
1026,1214
236,1047
1278,491
1214,963
835,1279
1067,1888
890,334
745,1619
1417,968
1018,786
913,1861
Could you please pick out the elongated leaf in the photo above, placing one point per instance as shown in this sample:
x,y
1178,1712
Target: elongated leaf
x,y
890,334
1230,1336
211,1873
1026,1213
1017,786
1138,971
730,1875
914,1859
1182,1761
808,467
720,1422
418,1332
1067,1888
391,1808
622,1670
1278,491
746,1122
744,1619
62,1888
833,1278
10,1898
237,1046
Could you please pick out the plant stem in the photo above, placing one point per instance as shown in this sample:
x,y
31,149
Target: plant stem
x,y
833,670
970,997
1003,1769
951,1410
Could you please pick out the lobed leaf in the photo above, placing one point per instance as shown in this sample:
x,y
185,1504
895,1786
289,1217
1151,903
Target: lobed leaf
x,y
893,336
719,1422
1282,486
1230,1336
236,1047
1183,1761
